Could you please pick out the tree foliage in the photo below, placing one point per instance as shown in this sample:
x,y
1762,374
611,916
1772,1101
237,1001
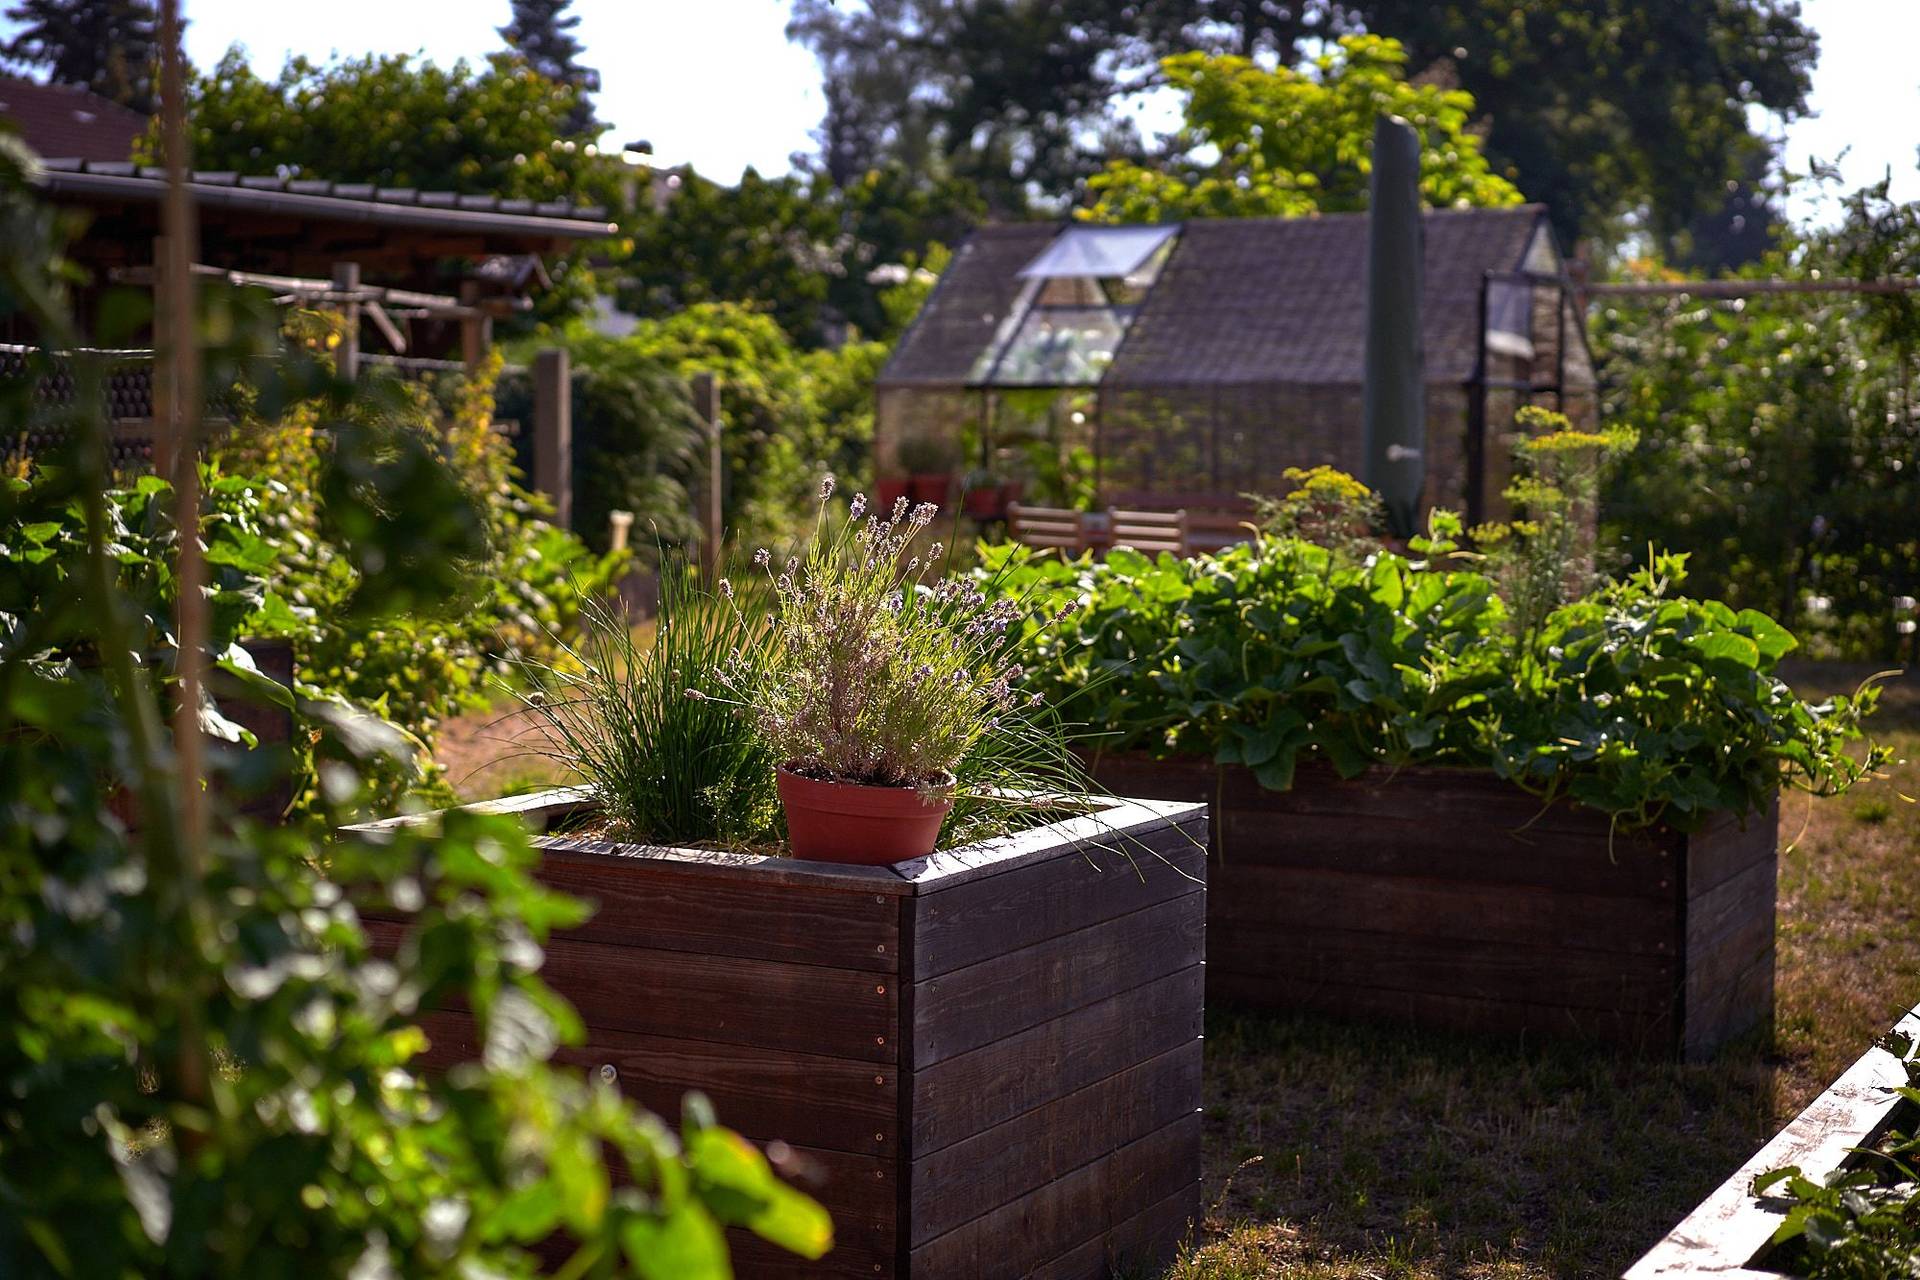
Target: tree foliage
x,y
542,33
1013,98
207,1068
788,416
796,246
1598,109
107,46
498,127
1780,443
1603,108
1281,143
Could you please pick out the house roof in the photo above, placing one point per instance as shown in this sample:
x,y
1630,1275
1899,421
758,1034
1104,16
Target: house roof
x,y
62,120
1241,301
90,181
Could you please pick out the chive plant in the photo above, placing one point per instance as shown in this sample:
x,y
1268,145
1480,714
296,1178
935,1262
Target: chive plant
x,y
668,769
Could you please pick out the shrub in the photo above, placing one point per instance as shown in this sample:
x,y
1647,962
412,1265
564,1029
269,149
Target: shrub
x,y
415,636
668,768
1633,700
207,1068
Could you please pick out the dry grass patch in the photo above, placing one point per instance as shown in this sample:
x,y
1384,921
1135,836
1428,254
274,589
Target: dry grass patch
x,y
1341,1152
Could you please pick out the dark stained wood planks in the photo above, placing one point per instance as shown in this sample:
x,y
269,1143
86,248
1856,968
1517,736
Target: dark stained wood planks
x,y
961,1096
1025,1235
998,1164
998,1039
1451,898
1032,984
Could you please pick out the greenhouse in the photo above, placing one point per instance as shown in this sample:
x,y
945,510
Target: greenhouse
x,y
1188,365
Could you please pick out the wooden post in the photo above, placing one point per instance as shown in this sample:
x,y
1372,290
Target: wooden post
x,y
346,279
476,327
706,403
160,388
553,432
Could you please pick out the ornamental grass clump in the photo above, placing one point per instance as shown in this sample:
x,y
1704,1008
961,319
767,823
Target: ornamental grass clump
x,y
883,673
667,768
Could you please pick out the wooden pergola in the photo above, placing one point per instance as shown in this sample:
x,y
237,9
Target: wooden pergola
x,y
452,263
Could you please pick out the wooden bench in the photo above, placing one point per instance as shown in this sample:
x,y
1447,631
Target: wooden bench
x,y
1149,532
1048,527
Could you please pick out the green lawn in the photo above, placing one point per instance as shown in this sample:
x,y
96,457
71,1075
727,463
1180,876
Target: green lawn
x,y
1343,1151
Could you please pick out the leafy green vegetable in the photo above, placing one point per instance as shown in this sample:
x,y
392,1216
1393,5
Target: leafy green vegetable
x,y
1633,700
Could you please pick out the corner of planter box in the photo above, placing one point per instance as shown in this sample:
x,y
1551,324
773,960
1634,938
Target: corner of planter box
x,y
1727,1234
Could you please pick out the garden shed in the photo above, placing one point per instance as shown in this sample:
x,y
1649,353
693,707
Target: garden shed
x,y
1186,365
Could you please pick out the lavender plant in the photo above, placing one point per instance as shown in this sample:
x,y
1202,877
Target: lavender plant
x,y
885,672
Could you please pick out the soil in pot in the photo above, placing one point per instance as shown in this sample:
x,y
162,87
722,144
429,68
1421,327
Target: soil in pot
x,y
848,822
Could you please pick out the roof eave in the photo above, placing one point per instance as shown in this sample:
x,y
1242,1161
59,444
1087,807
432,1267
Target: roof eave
x,y
59,182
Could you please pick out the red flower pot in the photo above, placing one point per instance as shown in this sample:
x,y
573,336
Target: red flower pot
x,y
931,486
982,503
888,492
848,822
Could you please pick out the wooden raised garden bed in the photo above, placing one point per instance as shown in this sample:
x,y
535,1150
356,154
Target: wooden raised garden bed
x,y
1450,898
1729,1235
990,1057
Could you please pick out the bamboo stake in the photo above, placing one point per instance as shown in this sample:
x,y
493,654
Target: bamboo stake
x,y
179,411
177,365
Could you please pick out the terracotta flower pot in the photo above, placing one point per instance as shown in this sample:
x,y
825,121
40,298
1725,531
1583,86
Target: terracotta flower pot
x,y
982,503
930,486
887,492
847,822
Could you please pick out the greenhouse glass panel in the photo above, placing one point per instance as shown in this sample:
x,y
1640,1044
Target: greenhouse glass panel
x,y
1112,252
1061,347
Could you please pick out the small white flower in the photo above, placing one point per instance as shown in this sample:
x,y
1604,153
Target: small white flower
x,y
762,558
857,507
826,486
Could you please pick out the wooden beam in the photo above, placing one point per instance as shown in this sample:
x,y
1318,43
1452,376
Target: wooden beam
x,y
553,432
1747,288
346,280
706,403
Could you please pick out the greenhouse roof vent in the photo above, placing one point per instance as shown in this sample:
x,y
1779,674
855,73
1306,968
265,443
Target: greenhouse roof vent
x,y
1100,252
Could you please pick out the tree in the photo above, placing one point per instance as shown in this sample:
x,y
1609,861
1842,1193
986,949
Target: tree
x,y
1600,109
498,127
1613,106
208,1067
1013,97
1779,442
107,46
796,247
1258,143
544,37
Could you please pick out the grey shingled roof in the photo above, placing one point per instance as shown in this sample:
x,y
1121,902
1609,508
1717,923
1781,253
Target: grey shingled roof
x,y
963,313
65,120
1241,301
339,201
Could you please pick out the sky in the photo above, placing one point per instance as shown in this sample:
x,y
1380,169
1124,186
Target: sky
x,y
715,83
